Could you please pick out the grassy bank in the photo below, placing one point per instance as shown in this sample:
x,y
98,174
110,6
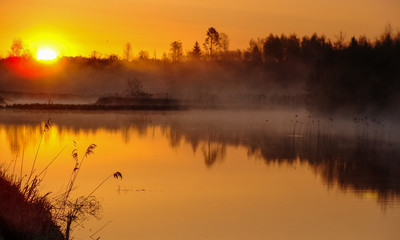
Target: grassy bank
x,y
28,214
21,218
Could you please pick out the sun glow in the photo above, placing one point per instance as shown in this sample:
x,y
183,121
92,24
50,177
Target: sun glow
x,y
46,54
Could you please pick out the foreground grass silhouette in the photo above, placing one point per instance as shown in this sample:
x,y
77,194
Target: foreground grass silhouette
x,y
22,219
27,214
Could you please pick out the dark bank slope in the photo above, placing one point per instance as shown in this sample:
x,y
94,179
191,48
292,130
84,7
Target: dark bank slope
x,y
22,220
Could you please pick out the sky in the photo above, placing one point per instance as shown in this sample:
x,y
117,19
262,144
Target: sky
x,y
77,27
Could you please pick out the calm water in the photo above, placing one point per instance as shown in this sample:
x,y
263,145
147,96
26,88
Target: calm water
x,y
219,174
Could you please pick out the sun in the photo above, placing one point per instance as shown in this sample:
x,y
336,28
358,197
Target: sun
x,y
46,54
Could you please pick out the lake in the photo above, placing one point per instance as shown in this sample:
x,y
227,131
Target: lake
x,y
217,174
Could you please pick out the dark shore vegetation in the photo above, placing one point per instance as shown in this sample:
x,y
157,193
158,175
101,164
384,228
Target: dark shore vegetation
x,y
23,219
28,214
347,74
94,107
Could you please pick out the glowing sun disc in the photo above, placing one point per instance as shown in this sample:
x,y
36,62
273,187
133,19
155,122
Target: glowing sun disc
x,y
46,55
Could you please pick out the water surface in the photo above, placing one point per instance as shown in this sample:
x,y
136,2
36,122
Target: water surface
x,y
218,174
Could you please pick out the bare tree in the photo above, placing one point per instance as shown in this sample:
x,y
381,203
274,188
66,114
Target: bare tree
x,y
136,89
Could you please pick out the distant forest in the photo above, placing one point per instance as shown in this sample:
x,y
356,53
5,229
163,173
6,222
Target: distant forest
x,y
356,74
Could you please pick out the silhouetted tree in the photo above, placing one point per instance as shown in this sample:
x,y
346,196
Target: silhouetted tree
x,y
364,42
314,47
143,55
292,46
17,49
113,58
353,43
212,40
164,57
176,51
136,89
128,51
359,74
224,42
95,55
340,40
273,49
253,55
195,54
386,38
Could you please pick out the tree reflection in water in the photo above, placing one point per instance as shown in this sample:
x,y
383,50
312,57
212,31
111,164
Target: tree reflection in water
x,y
213,152
363,158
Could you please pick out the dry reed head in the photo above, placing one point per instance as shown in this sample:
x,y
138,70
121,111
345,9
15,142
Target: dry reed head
x,y
75,154
90,149
47,125
117,175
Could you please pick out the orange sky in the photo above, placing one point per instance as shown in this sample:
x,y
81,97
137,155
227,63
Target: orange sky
x,y
77,27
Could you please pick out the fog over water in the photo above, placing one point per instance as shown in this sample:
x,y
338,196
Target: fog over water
x,y
195,169
329,145
352,77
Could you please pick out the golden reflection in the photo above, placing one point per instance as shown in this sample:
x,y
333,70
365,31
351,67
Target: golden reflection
x,y
181,191
212,143
370,195
213,152
19,135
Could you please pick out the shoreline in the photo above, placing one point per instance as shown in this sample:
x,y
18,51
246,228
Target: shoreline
x,y
93,107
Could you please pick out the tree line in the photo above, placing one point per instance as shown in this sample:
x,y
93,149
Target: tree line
x,y
359,74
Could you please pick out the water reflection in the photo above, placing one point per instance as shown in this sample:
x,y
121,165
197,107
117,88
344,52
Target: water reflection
x,y
362,158
213,152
